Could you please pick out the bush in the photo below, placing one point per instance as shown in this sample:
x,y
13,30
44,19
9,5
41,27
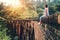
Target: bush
x,y
3,34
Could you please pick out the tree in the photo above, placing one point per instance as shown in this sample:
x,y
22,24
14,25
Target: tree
x,y
1,9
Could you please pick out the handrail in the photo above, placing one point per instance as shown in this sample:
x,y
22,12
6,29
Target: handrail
x,y
54,18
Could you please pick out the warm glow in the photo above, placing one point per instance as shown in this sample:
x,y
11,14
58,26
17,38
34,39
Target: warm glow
x,y
41,0
46,0
13,3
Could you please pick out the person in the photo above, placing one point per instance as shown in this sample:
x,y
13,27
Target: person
x,y
45,14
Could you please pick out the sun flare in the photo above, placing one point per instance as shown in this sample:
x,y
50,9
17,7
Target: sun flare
x,y
13,3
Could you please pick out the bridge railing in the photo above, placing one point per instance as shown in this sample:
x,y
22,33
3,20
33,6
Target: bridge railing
x,y
54,18
53,26
21,28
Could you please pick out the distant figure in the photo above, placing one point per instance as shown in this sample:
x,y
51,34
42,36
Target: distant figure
x,y
45,14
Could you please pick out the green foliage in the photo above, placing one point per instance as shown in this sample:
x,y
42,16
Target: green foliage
x,y
58,8
3,34
16,38
54,8
1,6
39,10
28,14
21,14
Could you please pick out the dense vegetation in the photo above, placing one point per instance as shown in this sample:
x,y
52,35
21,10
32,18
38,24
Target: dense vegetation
x,y
3,30
13,14
17,13
53,29
24,13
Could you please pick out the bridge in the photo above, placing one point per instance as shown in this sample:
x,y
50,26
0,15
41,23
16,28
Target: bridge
x,y
54,18
31,30
25,29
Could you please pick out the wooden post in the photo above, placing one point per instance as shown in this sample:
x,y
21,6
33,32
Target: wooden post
x,y
58,19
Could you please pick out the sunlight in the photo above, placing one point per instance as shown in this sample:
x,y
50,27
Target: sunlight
x,y
44,0
13,3
41,0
